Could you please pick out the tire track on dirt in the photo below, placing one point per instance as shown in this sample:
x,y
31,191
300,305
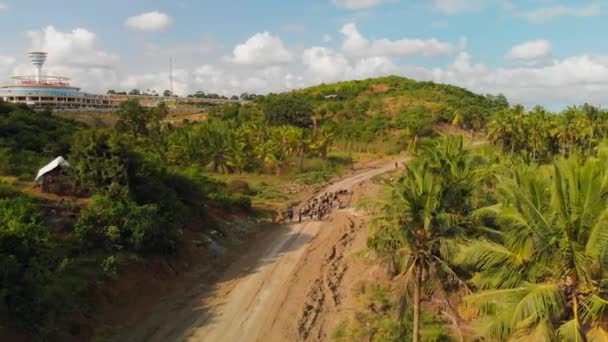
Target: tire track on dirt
x,y
324,293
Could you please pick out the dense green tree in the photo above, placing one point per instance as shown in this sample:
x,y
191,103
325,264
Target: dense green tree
x,y
100,158
288,109
30,139
132,118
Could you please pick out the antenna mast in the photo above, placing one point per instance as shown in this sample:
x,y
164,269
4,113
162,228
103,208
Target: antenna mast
x,y
171,75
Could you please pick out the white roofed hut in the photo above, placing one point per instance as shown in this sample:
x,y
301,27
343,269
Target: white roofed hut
x,y
50,177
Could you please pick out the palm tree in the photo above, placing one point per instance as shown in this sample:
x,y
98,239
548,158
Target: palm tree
x,y
501,130
415,236
184,146
220,145
452,163
543,279
322,140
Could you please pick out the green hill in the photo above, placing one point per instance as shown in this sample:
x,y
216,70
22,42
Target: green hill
x,y
392,94
393,110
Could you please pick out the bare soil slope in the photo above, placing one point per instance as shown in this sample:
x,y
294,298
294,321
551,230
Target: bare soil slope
x,y
287,287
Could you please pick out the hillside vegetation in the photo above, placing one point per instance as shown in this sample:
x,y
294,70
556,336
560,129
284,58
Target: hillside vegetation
x,y
507,241
136,186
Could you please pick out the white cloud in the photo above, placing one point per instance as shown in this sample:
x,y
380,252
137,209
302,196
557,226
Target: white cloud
x,y
546,13
358,4
263,64
551,84
159,81
459,6
325,64
261,49
75,48
374,66
327,38
357,45
149,22
3,7
6,61
74,54
533,50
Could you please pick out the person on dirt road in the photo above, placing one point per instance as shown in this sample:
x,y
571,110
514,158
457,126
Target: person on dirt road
x,y
290,214
300,216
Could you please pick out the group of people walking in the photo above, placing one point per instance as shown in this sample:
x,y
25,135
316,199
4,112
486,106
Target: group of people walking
x,y
319,207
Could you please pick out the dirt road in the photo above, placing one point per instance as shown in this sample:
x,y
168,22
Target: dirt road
x,y
274,292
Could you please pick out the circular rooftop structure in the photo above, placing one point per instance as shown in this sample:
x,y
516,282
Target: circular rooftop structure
x,y
49,91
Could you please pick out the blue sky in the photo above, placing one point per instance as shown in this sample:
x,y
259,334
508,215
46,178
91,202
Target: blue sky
x,y
545,52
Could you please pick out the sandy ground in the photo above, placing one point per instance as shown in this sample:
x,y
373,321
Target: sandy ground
x,y
286,287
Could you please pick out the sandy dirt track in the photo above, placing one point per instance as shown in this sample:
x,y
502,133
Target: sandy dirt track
x,y
276,291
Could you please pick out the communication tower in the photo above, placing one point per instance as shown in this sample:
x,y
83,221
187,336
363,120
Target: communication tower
x,y
37,58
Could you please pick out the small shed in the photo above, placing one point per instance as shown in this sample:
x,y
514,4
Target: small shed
x,y
49,177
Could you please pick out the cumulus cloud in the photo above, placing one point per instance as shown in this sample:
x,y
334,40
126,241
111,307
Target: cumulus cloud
x,y
356,44
551,84
276,69
459,6
327,38
531,51
261,49
325,63
6,61
546,13
263,64
159,81
358,4
74,48
149,21
328,65
75,54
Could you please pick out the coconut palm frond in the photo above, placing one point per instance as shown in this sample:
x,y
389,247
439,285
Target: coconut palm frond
x,y
540,300
594,309
570,331
534,329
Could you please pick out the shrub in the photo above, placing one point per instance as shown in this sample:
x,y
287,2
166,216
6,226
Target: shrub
x,y
100,158
239,186
113,221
